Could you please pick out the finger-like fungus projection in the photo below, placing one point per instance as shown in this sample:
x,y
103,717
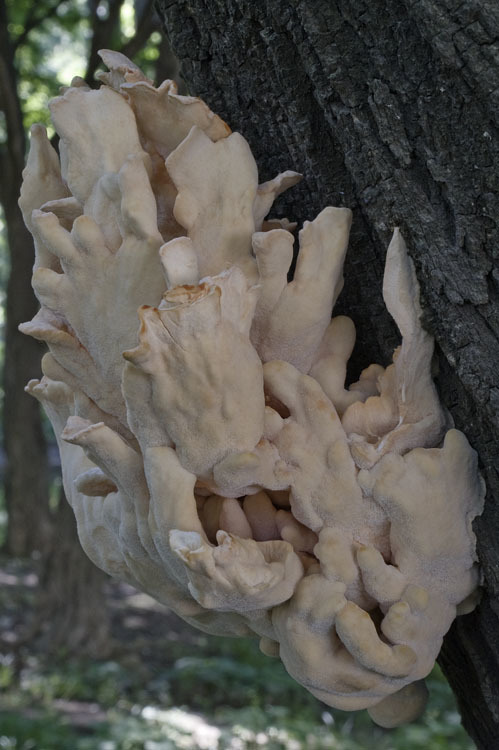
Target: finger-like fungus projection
x,y
211,452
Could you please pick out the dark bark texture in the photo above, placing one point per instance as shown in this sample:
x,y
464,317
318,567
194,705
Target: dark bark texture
x,y
389,107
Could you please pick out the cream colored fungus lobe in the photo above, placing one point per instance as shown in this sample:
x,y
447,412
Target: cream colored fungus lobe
x,y
211,452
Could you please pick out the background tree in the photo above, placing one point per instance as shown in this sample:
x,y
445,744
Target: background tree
x,y
26,474
388,107
38,41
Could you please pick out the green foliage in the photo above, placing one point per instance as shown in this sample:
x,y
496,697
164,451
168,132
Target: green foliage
x,y
229,693
102,682
6,675
148,56
52,40
239,670
166,685
46,733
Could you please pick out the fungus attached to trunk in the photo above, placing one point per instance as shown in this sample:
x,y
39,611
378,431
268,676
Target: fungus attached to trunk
x,y
211,451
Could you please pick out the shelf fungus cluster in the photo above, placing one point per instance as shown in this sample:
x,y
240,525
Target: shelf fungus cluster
x,y
211,452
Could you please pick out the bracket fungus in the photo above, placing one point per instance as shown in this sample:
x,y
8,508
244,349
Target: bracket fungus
x,y
211,452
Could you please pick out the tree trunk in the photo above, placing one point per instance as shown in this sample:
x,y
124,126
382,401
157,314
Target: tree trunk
x,y
388,107
71,609
26,472
26,477
72,617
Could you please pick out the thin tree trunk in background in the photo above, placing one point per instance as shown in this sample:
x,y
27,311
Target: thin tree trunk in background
x,y
26,471
389,107
26,478
72,617
71,609
103,32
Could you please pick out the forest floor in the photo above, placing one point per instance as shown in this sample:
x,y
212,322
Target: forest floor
x,y
164,685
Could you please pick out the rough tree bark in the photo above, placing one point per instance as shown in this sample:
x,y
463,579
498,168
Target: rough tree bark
x,y
389,107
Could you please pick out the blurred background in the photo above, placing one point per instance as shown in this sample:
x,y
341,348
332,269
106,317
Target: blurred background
x,y
87,663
